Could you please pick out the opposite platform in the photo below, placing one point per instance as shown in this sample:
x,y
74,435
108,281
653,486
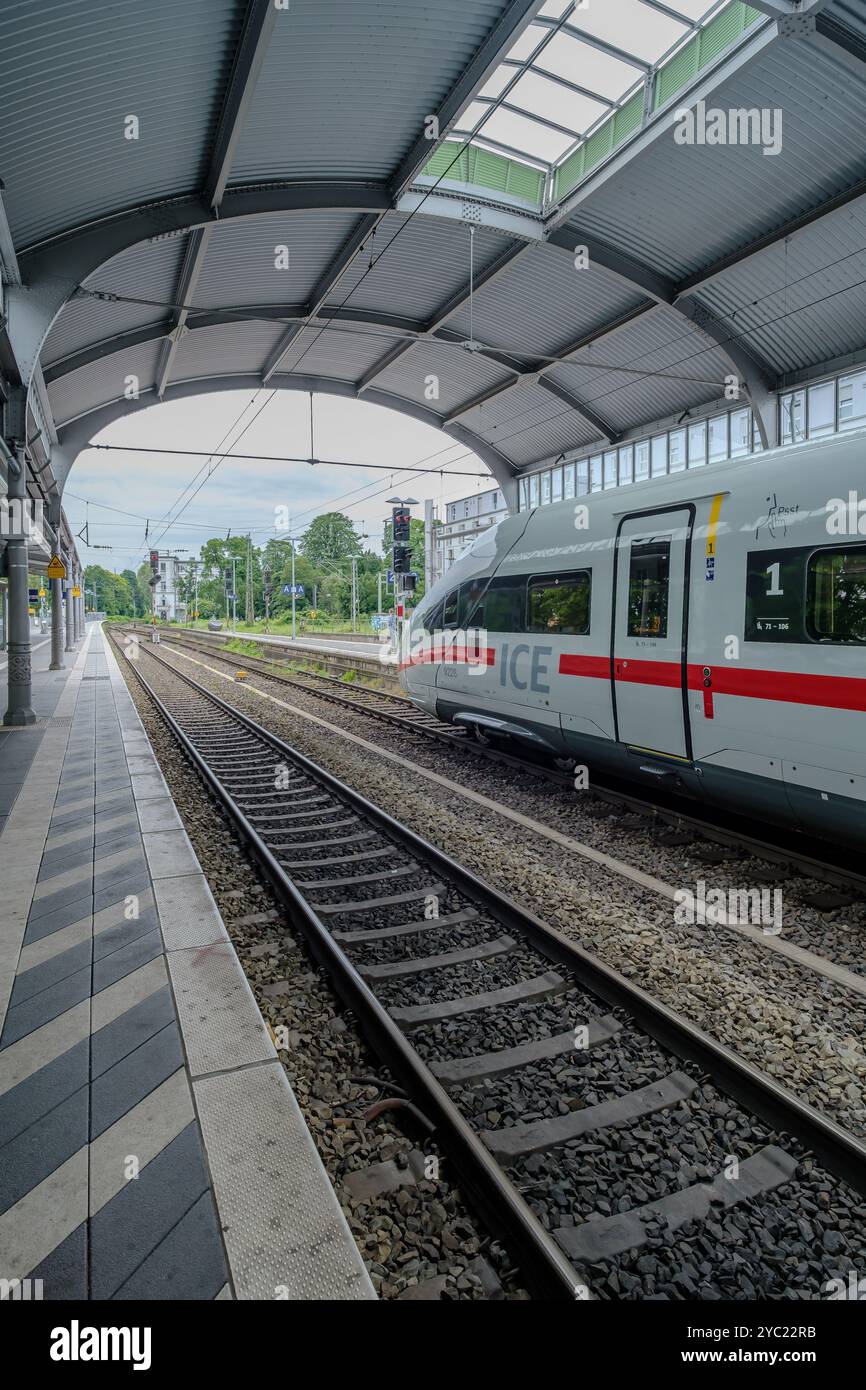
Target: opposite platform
x,y
150,1145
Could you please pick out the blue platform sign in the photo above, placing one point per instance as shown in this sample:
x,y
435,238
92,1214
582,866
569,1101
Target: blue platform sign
x,y
297,589
390,576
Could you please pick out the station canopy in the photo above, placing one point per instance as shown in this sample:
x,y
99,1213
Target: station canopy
x,y
476,212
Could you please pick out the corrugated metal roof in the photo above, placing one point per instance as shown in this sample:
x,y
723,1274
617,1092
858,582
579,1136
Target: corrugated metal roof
x,y
461,375
681,207
804,300
240,264
529,423
851,13
422,267
71,74
225,349
342,350
147,271
344,89
541,304
660,341
77,392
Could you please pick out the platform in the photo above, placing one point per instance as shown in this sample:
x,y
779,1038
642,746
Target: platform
x,y
150,1145
348,645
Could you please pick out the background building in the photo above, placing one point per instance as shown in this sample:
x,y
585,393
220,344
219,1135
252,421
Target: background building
x,y
168,594
464,520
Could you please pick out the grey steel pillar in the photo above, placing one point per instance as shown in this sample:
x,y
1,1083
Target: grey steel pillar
x,y
76,615
55,587
70,620
20,709
56,624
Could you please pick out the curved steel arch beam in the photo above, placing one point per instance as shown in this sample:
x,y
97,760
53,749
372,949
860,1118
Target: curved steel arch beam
x,y
756,381
78,433
53,270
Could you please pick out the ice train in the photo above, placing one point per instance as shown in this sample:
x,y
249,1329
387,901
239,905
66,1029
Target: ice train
x,y
707,631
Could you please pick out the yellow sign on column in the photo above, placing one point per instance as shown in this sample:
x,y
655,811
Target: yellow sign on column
x,y
76,592
56,569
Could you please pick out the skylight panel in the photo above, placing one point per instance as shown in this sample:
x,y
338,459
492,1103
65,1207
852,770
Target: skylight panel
x,y
630,25
523,134
529,40
587,67
542,97
471,116
692,9
497,82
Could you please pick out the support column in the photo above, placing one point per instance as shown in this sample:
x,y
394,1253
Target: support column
x,y
20,709
55,588
76,614
56,624
79,610
70,620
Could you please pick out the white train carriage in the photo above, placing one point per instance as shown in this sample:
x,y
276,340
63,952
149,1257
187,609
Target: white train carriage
x,y
707,630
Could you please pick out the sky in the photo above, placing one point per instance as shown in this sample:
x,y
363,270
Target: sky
x,y
159,490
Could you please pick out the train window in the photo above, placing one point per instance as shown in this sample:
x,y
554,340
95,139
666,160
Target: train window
x,y
432,621
503,606
559,603
836,595
449,613
648,583
471,595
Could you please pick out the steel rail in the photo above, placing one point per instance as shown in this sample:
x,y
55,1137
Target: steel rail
x,y
737,832
843,1152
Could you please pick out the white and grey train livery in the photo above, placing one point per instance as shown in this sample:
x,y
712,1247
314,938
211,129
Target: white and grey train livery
x,y
708,629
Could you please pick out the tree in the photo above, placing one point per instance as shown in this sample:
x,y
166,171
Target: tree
x,y
330,540
112,591
132,584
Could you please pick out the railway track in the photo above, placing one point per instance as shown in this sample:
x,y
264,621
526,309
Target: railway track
x,y
480,1009
811,859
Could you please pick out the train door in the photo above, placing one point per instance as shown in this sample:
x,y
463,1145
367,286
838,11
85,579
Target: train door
x,y
650,631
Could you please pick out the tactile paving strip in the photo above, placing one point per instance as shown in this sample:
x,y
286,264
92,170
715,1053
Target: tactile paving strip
x,y
285,1233
221,1022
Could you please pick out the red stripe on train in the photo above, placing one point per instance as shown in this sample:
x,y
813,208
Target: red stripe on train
x,y
465,656
792,687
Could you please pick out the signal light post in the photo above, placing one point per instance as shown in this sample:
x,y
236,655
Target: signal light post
x,y
401,564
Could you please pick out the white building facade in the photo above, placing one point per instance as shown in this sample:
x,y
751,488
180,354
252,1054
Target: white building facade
x,y
463,521
169,601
